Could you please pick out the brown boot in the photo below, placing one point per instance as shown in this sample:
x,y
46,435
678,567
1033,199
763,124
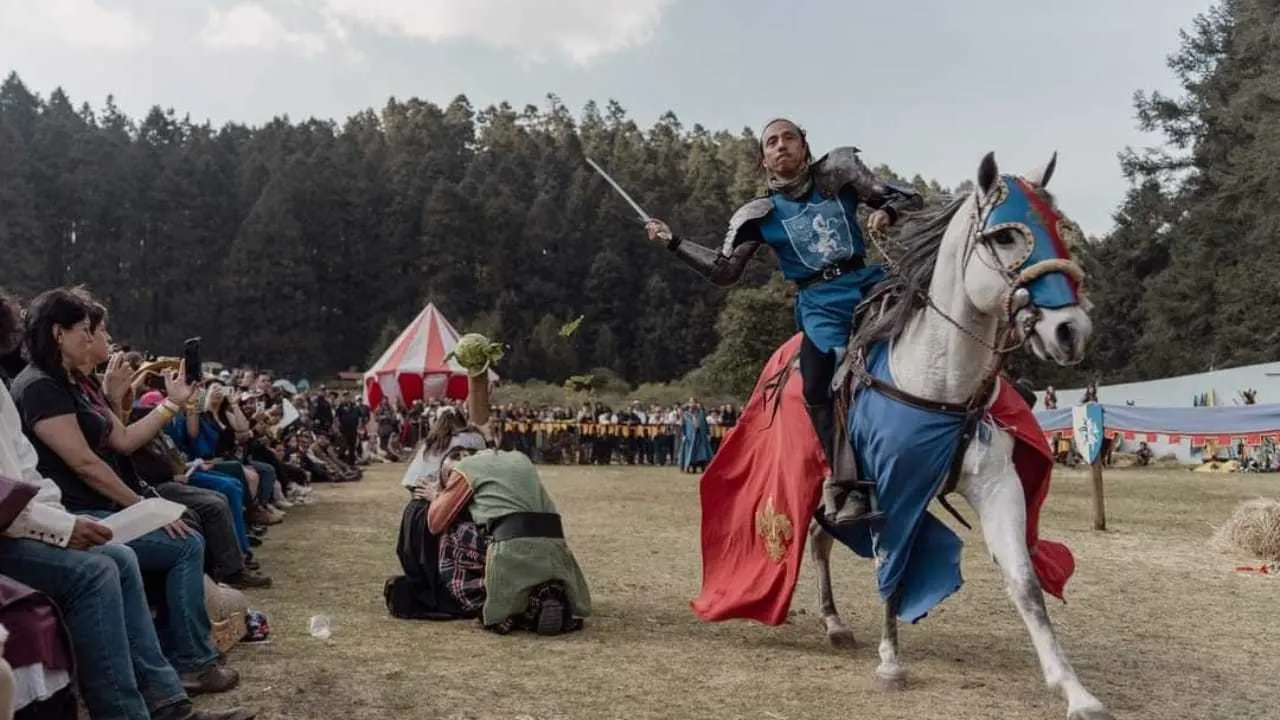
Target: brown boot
x,y
212,679
247,579
846,503
260,516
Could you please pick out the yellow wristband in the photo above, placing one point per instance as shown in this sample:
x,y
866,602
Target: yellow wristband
x,y
168,409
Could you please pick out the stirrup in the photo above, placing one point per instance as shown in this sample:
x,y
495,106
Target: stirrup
x,y
856,504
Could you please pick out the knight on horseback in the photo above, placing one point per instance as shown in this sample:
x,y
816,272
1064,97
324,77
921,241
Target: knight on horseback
x,y
809,218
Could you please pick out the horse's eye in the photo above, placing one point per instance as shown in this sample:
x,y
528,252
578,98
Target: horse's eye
x,y
1004,237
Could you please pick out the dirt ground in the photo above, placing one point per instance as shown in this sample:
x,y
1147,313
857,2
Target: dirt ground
x,y
1158,624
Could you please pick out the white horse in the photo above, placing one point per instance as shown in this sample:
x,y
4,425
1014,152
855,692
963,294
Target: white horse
x,y
965,278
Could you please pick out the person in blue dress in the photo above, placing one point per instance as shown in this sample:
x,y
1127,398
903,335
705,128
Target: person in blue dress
x,y
695,450
809,218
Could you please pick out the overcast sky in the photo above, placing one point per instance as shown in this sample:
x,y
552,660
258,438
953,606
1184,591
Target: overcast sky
x,y
926,86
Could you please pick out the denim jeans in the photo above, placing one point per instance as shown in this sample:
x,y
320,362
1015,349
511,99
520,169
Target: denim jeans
x,y
210,515
189,647
233,469
267,487
234,492
121,669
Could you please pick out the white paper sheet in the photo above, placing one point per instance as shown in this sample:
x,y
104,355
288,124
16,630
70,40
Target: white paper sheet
x,y
137,520
287,416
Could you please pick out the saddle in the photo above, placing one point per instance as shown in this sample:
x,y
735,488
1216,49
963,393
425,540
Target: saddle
x,y
851,375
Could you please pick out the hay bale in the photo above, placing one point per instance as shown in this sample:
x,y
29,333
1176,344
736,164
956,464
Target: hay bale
x,y
1254,528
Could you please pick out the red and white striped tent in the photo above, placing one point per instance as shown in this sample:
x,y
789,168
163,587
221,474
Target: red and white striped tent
x,y
414,366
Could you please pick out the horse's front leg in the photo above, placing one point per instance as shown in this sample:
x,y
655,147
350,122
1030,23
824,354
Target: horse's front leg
x,y
838,634
891,673
998,501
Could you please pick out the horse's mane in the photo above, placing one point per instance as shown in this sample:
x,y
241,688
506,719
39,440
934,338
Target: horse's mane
x,y
883,315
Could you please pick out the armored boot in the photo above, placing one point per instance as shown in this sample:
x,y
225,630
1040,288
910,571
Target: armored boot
x,y
846,500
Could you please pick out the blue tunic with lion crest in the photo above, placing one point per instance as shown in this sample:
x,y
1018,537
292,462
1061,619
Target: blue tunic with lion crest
x,y
812,233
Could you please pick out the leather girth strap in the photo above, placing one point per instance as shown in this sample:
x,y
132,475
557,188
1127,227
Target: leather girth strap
x,y
972,412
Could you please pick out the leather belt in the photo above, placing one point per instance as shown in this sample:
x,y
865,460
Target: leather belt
x,y
526,524
831,272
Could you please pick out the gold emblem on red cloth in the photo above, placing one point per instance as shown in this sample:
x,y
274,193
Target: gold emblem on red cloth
x,y
775,528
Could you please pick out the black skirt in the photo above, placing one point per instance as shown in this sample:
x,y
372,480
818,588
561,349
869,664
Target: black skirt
x,y
420,594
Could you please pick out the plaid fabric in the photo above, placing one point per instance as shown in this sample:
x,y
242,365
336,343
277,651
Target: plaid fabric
x,y
462,564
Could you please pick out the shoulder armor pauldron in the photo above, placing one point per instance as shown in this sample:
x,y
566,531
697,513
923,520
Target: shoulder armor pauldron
x,y
836,169
842,167
753,210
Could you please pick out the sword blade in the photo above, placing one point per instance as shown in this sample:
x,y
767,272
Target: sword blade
x,y
618,189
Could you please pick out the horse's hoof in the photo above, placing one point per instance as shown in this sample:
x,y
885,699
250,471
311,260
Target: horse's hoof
x,y
842,639
1090,713
892,681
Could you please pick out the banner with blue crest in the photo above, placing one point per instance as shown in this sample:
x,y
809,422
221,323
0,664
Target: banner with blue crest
x,y
1086,427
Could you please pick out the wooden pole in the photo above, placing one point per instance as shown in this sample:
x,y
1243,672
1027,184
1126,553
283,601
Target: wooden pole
x,y
1099,501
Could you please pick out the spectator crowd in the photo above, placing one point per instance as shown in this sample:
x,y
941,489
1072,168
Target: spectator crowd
x,y
134,630
88,427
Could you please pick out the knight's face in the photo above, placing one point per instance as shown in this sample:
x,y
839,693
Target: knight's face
x,y
784,149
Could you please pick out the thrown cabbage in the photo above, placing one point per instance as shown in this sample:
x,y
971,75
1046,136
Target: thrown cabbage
x,y
476,353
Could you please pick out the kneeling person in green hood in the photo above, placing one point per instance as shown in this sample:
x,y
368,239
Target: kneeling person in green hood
x,y
531,578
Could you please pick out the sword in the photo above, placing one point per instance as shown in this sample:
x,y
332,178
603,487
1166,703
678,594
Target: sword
x,y
618,188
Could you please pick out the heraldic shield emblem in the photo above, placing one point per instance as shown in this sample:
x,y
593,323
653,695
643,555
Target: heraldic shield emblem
x,y
820,234
1086,426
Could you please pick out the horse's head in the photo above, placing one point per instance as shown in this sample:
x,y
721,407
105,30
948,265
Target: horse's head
x,y
1018,262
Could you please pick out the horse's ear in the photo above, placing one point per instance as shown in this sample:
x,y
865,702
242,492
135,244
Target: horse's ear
x,y
988,173
1040,176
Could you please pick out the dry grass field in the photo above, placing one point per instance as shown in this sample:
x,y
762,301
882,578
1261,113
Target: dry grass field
x,y
1158,624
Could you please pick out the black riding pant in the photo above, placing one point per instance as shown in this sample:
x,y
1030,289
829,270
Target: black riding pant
x,y
817,368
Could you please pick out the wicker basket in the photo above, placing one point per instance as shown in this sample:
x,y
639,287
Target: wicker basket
x,y
227,607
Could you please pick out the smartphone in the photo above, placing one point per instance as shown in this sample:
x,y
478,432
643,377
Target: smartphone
x,y
191,354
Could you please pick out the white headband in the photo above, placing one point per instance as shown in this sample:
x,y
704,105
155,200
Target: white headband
x,y
467,441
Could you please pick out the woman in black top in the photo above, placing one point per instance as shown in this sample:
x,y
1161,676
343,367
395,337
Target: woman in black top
x,y
75,438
